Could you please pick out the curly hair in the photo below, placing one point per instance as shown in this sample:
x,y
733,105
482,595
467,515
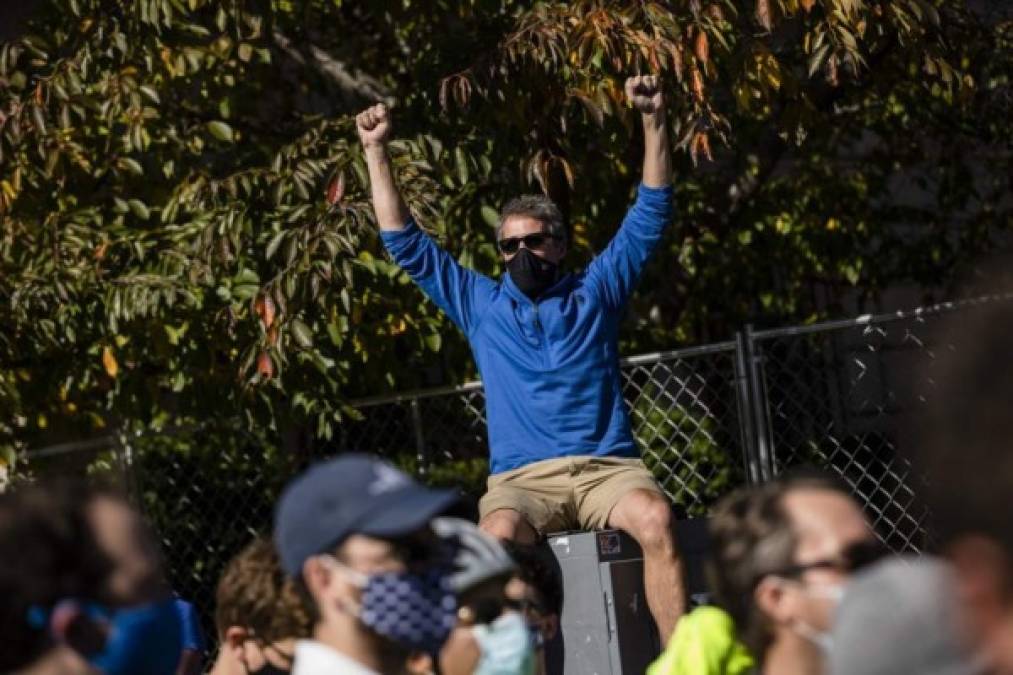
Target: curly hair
x,y
255,593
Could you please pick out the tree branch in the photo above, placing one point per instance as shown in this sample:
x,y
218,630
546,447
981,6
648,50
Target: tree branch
x,y
356,88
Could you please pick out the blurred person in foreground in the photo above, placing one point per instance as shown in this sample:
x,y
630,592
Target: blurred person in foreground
x,y
124,624
354,533
492,635
900,616
965,448
258,614
781,554
561,450
536,590
47,556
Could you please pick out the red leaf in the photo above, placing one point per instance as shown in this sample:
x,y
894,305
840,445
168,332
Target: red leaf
x,y
336,190
265,310
697,83
265,366
701,47
705,146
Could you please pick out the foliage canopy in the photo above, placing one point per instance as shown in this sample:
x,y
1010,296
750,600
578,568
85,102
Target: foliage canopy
x,y
184,224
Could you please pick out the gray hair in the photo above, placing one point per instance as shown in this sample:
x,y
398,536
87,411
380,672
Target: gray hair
x,y
540,208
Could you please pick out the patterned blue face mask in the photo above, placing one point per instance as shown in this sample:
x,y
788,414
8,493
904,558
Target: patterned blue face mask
x,y
413,609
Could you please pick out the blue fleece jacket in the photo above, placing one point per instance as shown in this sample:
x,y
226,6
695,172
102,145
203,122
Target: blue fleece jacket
x,y
550,367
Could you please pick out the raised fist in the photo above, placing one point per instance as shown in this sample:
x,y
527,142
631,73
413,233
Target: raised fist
x,y
644,93
373,125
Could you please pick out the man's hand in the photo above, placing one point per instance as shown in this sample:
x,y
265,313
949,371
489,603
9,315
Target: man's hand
x,y
644,93
373,125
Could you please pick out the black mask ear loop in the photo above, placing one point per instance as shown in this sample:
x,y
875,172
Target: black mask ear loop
x,y
269,668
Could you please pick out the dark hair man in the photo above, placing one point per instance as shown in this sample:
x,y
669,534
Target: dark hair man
x,y
354,533
562,454
258,614
966,450
781,554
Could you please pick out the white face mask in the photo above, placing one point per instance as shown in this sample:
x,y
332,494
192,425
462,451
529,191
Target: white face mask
x,y
822,639
832,593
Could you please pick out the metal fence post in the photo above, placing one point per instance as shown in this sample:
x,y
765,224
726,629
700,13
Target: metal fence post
x,y
754,407
743,401
760,405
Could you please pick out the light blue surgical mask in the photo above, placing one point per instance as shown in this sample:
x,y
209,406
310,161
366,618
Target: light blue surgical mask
x,y
506,646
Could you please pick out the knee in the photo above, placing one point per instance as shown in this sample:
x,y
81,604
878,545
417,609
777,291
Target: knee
x,y
500,524
653,527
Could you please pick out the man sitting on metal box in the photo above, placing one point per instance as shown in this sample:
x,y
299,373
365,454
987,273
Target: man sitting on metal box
x,y
562,454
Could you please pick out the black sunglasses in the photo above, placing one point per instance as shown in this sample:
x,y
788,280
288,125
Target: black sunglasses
x,y
853,558
511,245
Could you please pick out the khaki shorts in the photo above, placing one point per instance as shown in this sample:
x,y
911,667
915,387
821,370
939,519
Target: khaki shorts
x,y
567,493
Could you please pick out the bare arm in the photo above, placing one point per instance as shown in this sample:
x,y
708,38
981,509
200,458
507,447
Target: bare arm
x,y
644,93
373,125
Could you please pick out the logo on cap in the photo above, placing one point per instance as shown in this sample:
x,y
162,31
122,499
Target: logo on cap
x,y
386,478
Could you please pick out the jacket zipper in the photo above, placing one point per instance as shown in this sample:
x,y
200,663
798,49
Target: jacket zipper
x,y
541,336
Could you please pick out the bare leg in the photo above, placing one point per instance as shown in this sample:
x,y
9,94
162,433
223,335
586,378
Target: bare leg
x,y
647,517
510,525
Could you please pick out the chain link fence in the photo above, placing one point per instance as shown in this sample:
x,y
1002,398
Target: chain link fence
x,y
838,395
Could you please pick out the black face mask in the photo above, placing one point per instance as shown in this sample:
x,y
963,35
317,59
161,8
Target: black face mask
x,y
270,669
532,274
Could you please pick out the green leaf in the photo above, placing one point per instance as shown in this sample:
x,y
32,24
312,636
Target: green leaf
x,y
139,209
272,246
302,334
221,131
245,291
132,165
490,215
150,93
434,342
246,276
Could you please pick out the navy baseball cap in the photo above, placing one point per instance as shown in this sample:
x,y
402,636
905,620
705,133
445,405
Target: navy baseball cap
x,y
352,494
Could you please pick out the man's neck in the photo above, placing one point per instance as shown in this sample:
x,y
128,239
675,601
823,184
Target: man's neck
x,y
224,665
358,645
792,654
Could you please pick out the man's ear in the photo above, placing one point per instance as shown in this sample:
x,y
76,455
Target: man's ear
x,y
772,600
234,641
316,576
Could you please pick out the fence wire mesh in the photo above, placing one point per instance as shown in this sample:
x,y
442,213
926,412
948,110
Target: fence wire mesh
x,y
837,395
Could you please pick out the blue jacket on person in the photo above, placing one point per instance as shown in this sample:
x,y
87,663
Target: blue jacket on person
x,y
550,366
